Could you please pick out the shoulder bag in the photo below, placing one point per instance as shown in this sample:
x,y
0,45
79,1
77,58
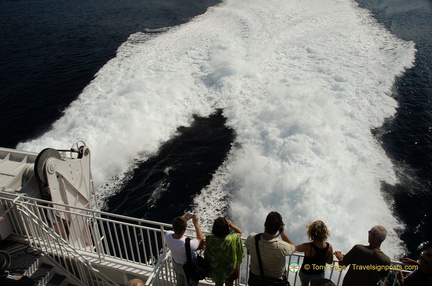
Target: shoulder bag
x,y
265,280
194,270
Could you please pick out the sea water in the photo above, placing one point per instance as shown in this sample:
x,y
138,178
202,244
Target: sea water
x,y
301,84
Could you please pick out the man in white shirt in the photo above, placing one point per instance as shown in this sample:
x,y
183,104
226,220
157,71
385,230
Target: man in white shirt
x,y
175,240
272,250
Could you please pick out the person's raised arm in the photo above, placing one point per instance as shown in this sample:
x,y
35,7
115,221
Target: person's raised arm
x,y
199,235
410,261
284,236
236,229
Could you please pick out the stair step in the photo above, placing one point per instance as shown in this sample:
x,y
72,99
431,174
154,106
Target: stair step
x,y
42,273
57,280
12,247
23,261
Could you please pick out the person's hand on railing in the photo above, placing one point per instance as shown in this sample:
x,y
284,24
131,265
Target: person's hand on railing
x,y
409,261
339,257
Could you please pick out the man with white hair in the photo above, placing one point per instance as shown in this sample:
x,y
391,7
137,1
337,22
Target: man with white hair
x,y
368,264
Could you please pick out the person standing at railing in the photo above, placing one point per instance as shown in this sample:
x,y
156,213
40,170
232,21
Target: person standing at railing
x,y
175,240
423,275
317,254
272,252
224,252
367,263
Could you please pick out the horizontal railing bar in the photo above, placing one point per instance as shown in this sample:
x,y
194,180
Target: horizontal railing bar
x,y
82,209
110,234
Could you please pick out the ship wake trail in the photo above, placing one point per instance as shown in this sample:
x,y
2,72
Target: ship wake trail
x,y
301,84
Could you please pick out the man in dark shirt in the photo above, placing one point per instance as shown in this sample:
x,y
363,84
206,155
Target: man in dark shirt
x,y
423,275
368,264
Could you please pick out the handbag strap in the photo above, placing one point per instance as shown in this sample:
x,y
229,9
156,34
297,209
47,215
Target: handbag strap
x,y
188,251
189,258
257,238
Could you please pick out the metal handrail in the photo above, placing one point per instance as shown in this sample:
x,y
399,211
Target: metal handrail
x,y
43,237
103,233
91,235
164,266
124,239
163,271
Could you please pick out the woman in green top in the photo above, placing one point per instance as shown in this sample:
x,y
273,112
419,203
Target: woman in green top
x,y
224,252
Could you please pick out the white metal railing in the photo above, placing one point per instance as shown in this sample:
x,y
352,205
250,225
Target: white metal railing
x,y
101,233
163,273
109,236
48,241
66,232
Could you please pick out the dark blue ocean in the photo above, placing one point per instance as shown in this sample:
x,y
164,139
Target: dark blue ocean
x,y
51,50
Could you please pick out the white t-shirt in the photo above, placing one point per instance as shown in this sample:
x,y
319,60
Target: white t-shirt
x,y
177,247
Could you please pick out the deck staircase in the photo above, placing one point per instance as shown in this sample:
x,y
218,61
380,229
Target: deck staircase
x,y
26,261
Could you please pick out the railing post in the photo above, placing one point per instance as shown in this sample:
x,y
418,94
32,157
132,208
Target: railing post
x,y
97,239
162,228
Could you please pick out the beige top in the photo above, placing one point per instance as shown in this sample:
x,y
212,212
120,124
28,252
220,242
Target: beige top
x,y
273,252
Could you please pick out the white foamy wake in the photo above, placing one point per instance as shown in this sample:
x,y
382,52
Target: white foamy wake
x,y
301,82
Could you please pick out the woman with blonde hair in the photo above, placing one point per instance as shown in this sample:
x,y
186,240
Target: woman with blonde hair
x,y
318,252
